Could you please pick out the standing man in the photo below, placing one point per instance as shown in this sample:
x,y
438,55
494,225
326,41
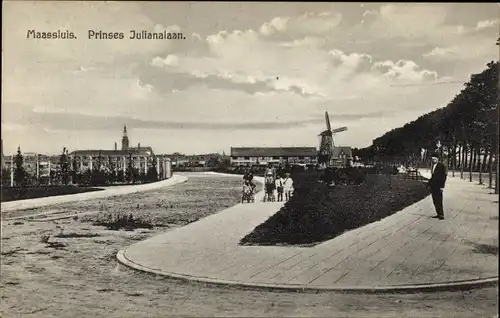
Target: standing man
x,y
436,185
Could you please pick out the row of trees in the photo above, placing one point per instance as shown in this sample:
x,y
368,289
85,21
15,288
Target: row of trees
x,y
103,172
465,132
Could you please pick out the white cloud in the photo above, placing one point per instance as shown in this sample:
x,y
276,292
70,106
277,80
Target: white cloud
x,y
446,52
484,24
302,64
405,20
278,24
478,47
306,24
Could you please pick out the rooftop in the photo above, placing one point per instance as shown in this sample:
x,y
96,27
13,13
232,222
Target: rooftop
x,y
131,151
273,151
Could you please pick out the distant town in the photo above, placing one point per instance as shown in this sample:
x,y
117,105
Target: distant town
x,y
144,157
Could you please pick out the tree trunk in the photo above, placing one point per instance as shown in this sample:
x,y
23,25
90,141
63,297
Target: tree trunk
x,y
496,170
448,159
480,167
483,165
478,158
454,159
461,156
490,173
471,163
466,158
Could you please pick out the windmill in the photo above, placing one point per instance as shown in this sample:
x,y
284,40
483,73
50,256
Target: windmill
x,y
326,144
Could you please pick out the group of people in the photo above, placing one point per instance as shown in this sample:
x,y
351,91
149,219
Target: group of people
x,y
277,186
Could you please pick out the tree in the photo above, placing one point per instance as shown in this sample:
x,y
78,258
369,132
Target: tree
x,y
131,174
223,164
19,172
152,174
112,175
5,177
64,166
467,128
74,171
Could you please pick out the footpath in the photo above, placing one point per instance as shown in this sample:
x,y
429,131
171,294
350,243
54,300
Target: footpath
x,y
107,192
407,251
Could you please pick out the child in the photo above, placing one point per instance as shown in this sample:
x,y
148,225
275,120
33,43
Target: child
x,y
279,187
247,192
288,186
270,186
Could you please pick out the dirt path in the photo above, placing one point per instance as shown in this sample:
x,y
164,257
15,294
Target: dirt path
x,y
82,278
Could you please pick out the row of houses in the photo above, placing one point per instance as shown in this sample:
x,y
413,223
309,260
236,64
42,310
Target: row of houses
x,y
203,160
262,156
252,156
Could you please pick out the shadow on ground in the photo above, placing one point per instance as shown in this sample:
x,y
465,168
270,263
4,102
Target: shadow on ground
x,y
485,248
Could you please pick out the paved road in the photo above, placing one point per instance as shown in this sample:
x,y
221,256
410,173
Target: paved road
x,y
406,248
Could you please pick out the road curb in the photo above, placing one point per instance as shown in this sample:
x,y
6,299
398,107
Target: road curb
x,y
392,289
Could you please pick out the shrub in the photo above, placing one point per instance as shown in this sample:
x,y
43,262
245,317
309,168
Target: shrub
x,y
120,221
76,235
316,212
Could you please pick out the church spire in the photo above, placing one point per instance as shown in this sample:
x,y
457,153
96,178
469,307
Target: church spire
x,y
125,141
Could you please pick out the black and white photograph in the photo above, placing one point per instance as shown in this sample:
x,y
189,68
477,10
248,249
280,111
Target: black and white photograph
x,y
249,159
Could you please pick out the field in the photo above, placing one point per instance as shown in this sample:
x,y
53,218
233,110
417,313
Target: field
x,y
67,268
13,193
317,213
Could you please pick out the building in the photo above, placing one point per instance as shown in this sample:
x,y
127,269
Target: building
x,y
342,156
250,156
142,158
202,160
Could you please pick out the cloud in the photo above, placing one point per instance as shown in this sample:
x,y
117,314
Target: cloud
x,y
478,47
307,24
447,52
405,71
485,24
303,67
405,20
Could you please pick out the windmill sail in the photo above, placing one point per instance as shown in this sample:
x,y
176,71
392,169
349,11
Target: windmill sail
x,y
339,129
327,118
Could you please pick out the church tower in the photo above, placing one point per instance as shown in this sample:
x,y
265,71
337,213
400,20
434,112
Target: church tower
x,y
124,138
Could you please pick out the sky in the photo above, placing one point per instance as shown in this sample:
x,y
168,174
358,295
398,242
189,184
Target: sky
x,y
245,74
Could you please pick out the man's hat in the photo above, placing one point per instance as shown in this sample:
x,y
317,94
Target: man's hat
x,y
434,155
